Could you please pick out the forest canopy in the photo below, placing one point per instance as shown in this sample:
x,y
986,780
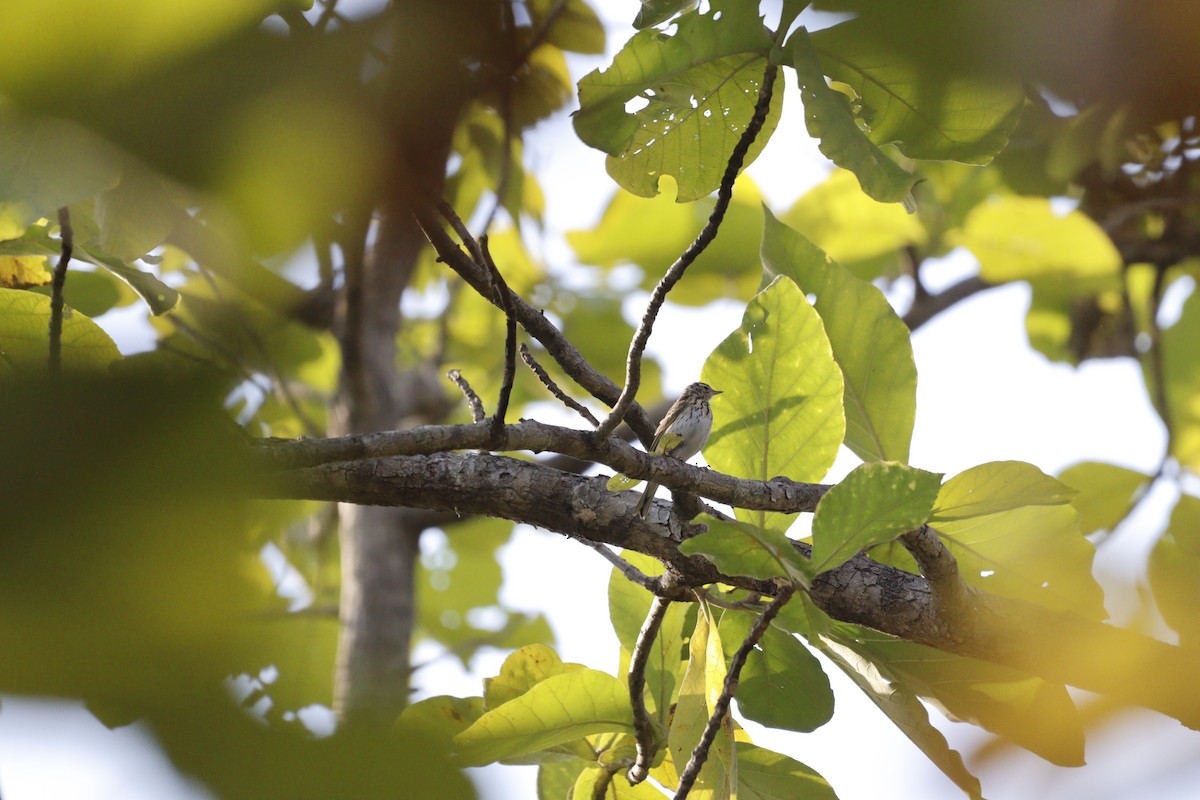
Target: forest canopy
x,y
327,214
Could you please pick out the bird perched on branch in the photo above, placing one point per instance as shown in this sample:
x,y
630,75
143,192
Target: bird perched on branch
x,y
682,432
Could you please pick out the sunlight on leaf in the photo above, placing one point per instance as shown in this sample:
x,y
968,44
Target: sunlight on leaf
x,y
781,410
556,710
699,87
869,341
874,504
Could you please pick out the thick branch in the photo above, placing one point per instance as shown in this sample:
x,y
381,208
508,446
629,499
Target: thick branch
x,y
777,494
1054,645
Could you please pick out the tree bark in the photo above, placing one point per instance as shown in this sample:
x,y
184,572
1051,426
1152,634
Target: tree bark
x,y
938,611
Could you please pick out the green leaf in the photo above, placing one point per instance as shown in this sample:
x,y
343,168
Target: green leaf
x,y
556,779
302,648
1181,377
597,781
764,775
702,685
738,548
521,671
46,164
1035,714
25,337
1022,238
654,12
1032,553
652,232
869,341
556,710
1173,566
998,486
856,231
1106,493
700,87
781,408
135,216
442,717
914,103
829,118
874,504
90,293
574,25
903,709
782,684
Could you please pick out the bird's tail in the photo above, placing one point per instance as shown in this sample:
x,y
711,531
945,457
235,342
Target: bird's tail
x,y
647,498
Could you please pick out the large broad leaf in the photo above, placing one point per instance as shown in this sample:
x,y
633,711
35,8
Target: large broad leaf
x,y
856,231
442,717
47,164
738,548
1030,711
914,103
874,504
25,337
97,50
37,242
1181,376
702,685
764,775
782,684
830,119
781,410
998,486
1174,564
1022,238
598,781
904,709
652,232
699,87
557,710
521,671
1106,493
1034,552
870,344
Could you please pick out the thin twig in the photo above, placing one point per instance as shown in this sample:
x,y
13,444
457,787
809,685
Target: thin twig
x,y
477,412
631,573
721,707
464,235
57,284
633,364
504,295
647,744
534,322
548,382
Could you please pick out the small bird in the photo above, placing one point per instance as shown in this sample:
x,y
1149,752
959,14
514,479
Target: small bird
x,y
682,432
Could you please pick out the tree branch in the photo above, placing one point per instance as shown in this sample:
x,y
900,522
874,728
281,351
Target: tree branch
x,y
504,295
777,494
926,306
535,324
57,284
647,744
721,707
1054,645
549,383
633,364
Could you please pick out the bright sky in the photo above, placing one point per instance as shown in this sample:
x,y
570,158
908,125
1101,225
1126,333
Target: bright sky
x,y
983,395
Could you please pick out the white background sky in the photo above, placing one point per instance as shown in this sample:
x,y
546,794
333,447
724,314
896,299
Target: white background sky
x,y
983,395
